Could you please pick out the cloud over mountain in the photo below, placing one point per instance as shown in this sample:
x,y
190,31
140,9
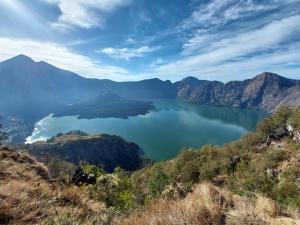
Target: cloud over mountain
x,y
85,13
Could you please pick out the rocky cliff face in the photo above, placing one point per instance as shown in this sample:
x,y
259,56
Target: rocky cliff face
x,y
103,150
265,92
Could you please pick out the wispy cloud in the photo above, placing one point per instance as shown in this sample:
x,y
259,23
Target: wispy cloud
x,y
220,12
61,57
205,13
128,53
130,41
213,56
269,37
85,13
217,39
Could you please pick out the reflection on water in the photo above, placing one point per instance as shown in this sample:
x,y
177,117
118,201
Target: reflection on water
x,y
164,131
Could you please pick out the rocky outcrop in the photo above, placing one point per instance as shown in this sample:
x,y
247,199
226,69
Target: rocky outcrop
x,y
107,151
266,92
293,133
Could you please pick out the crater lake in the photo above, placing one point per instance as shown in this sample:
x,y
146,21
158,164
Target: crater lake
x,y
163,132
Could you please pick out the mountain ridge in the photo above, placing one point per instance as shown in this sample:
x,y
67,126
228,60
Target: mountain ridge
x,y
28,83
22,58
265,92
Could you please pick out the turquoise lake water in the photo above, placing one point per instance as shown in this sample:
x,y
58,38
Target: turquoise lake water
x,y
164,131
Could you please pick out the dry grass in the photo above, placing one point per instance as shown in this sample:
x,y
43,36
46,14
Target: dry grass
x,y
209,205
27,196
266,208
205,206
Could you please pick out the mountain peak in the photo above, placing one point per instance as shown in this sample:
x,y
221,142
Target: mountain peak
x,y
190,78
266,75
192,81
20,58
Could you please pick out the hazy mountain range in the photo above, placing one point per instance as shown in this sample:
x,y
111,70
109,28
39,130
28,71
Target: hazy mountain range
x,y
24,82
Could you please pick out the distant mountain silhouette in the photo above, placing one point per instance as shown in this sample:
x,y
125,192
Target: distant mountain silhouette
x,y
27,85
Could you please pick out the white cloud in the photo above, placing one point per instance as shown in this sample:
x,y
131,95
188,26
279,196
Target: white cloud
x,y
243,7
220,12
260,39
279,62
145,17
61,57
130,41
206,13
128,53
85,13
212,57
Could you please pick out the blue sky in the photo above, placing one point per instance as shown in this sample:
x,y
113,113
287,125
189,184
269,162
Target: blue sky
x,y
169,39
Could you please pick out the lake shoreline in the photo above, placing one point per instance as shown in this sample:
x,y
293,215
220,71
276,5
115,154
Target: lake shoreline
x,y
158,132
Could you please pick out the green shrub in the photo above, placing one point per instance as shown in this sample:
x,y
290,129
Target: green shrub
x,y
275,124
157,181
288,193
90,168
295,119
115,190
275,157
252,139
62,219
59,168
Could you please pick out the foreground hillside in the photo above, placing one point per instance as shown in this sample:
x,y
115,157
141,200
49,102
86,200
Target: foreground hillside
x,y
268,162
29,196
253,181
209,205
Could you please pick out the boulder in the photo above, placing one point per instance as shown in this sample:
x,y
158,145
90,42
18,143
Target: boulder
x,y
293,133
218,181
278,146
80,178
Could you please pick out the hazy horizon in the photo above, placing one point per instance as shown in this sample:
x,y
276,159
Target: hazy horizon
x,y
25,56
126,40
